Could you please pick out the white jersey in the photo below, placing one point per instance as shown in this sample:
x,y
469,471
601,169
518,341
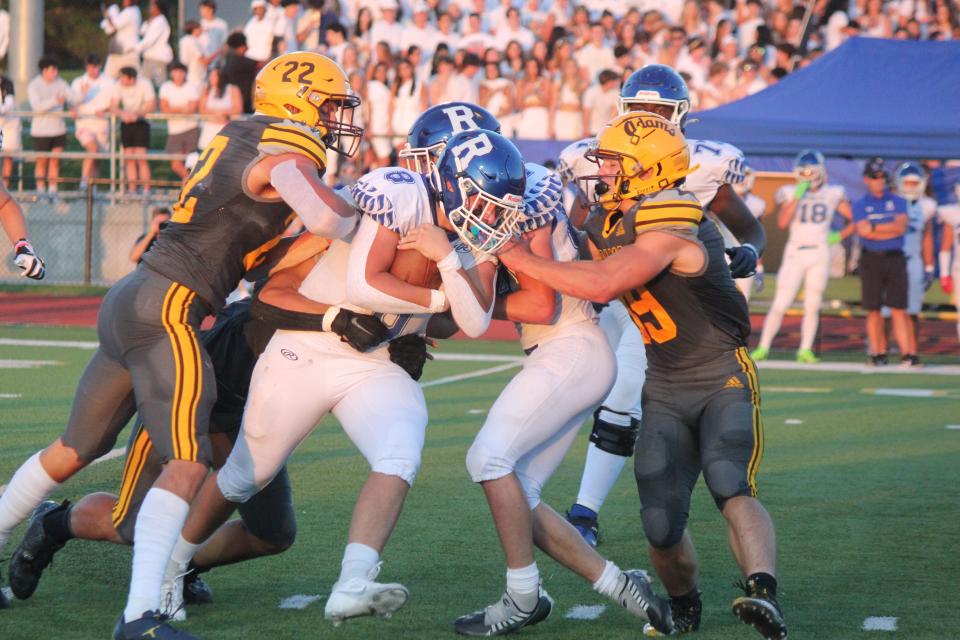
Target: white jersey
x,y
811,221
399,200
720,164
919,213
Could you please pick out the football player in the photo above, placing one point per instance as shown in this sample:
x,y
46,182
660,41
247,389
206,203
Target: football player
x,y
15,226
718,166
701,400
911,181
250,182
429,134
757,206
807,208
477,192
268,524
532,425
949,215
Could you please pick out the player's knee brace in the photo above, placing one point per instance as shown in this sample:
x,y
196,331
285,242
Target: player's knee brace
x,y
725,480
486,463
614,438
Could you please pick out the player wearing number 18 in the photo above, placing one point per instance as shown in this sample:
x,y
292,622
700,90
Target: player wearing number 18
x,y
249,183
701,401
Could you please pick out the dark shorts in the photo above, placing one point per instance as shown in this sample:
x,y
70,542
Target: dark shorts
x,y
49,143
149,350
268,515
883,280
185,142
135,134
706,420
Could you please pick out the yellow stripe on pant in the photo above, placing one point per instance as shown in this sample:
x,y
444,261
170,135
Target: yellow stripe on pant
x,y
136,459
188,371
750,369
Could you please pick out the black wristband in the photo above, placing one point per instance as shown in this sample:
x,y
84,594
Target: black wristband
x,y
284,318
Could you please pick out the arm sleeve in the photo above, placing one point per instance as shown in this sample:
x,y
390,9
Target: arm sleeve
x,y
359,291
467,311
316,214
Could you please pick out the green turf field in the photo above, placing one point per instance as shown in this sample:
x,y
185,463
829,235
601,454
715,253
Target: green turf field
x,y
863,493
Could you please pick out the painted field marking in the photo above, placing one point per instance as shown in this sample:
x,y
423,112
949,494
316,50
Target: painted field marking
x,y
953,427
27,364
116,453
908,393
10,396
7,591
69,344
473,374
795,389
474,357
852,367
477,412
792,421
586,611
299,601
880,623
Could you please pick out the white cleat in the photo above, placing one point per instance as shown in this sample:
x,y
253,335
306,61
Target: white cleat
x,y
171,593
358,597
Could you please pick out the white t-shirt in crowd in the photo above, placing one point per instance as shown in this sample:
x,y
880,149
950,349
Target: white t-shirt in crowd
x,y
176,97
136,96
92,96
48,97
259,35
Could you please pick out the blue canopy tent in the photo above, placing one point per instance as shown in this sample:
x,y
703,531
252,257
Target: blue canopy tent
x,y
869,97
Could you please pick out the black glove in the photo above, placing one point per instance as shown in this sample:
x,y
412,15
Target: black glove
x,y
362,332
28,261
410,353
743,261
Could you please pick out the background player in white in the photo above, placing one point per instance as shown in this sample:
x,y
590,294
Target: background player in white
x,y
659,89
807,208
532,425
757,206
911,182
949,215
302,376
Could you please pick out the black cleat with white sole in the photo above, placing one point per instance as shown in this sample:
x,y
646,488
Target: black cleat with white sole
x,y
759,609
637,596
196,590
504,617
35,552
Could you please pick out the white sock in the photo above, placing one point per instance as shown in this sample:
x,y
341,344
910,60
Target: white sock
x,y
29,487
524,579
155,534
183,553
609,580
359,560
600,473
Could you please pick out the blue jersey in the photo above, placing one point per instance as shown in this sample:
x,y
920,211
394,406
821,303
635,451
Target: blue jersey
x,y
879,211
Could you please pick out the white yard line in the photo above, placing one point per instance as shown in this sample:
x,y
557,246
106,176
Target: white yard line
x,y
769,389
116,453
69,344
473,374
908,393
299,601
27,364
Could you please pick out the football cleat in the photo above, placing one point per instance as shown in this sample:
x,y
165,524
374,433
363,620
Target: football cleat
x,y
877,360
635,594
758,608
805,356
760,353
151,625
585,521
686,618
196,590
910,361
171,592
34,553
504,616
357,597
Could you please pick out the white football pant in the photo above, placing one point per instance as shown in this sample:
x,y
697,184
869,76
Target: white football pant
x,y
811,267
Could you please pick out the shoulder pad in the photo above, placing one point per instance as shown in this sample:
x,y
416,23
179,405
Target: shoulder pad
x,y
293,137
543,195
668,209
724,160
389,195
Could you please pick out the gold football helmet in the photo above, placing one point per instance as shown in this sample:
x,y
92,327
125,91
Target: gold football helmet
x,y
310,88
638,153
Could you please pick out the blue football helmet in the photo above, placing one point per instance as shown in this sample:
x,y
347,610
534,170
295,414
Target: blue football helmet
x,y
656,84
809,166
911,181
430,132
479,180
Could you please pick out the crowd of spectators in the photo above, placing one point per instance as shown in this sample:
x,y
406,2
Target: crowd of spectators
x,y
548,69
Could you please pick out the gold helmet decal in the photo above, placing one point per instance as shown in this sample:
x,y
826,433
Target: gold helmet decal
x,y
638,153
310,88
